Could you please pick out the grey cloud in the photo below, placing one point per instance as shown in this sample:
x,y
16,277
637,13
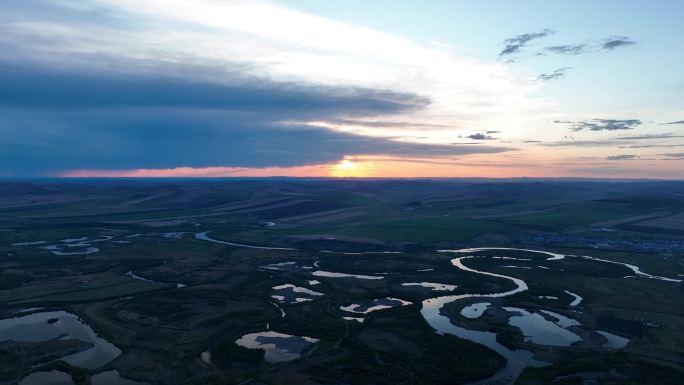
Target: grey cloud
x,y
678,155
602,124
100,110
653,146
614,42
480,136
54,121
650,136
607,44
386,124
676,122
37,142
568,163
515,44
578,143
37,87
569,49
622,157
557,74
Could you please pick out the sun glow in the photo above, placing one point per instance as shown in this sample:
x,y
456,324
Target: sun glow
x,y
346,168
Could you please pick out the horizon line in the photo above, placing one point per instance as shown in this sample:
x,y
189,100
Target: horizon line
x,y
349,178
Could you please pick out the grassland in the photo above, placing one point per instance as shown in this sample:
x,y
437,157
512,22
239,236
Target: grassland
x,y
225,292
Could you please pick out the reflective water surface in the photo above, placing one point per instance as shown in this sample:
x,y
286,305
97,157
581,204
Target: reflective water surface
x,y
53,377
278,347
36,328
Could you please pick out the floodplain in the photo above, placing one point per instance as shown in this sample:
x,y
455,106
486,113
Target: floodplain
x,y
120,282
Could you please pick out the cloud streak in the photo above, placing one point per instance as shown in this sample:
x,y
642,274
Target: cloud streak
x,y
622,157
653,146
568,49
615,42
577,143
602,124
480,136
38,87
678,155
650,136
516,43
557,74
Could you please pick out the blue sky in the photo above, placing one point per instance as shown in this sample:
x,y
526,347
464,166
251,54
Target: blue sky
x,y
353,88
652,70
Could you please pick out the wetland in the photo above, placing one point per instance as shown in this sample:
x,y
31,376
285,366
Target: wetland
x,y
265,282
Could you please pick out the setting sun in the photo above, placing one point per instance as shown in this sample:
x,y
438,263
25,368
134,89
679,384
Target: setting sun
x,y
346,168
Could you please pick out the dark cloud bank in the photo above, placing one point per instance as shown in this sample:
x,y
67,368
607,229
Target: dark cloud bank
x,y
59,120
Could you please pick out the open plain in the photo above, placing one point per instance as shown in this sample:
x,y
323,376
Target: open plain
x,y
341,282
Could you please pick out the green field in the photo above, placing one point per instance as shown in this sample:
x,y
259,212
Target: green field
x,y
188,296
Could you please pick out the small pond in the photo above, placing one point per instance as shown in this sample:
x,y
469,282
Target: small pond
x,y
278,347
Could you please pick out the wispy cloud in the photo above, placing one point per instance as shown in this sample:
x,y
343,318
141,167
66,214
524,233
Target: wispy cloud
x,y
653,146
622,157
602,124
577,143
649,136
614,42
557,74
676,122
607,44
480,136
568,49
678,155
514,44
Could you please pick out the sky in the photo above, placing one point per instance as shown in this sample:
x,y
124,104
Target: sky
x,y
441,88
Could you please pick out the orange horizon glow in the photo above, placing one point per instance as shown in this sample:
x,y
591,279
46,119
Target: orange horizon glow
x,y
378,166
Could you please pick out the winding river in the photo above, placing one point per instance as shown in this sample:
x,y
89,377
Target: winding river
x,y
516,360
637,271
204,237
